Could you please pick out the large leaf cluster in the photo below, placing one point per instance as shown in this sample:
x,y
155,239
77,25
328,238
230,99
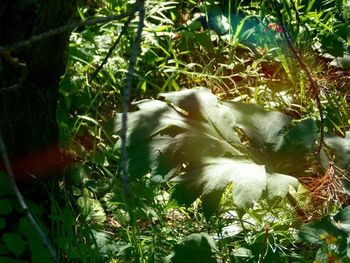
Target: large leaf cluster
x,y
204,144
331,234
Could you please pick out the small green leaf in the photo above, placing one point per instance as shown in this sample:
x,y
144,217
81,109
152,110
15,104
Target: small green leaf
x,y
6,206
98,158
278,184
2,223
324,232
332,44
78,174
194,248
104,243
204,40
240,253
342,62
40,255
14,243
4,259
27,230
342,219
341,148
92,210
5,187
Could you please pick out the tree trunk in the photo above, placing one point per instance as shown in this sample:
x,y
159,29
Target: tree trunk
x,y
29,86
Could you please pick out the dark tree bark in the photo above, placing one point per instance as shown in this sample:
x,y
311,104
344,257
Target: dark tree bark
x,y
29,88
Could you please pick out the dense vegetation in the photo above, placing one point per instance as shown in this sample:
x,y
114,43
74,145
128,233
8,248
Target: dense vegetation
x,y
237,146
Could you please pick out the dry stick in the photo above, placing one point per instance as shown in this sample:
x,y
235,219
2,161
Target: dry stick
x,y
65,28
126,97
313,84
110,51
22,203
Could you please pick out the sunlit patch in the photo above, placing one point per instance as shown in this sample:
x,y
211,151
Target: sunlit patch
x,y
328,238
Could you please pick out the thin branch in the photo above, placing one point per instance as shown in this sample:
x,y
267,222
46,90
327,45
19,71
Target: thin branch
x,y
299,211
65,28
297,16
21,201
314,88
300,23
126,97
110,51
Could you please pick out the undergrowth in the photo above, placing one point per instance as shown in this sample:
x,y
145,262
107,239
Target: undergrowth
x,y
238,52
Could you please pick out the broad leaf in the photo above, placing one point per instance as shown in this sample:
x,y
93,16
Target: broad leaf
x,y
342,219
104,243
278,184
275,142
325,232
264,129
15,243
92,210
204,140
210,177
161,135
341,148
194,248
217,119
296,147
342,62
31,237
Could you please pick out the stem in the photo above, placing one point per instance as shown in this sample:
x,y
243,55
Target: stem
x,y
65,28
300,212
21,201
126,97
110,51
314,88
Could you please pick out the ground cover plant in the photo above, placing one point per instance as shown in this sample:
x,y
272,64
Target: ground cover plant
x,y
195,131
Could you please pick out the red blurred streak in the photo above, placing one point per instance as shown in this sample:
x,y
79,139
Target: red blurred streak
x,y
40,164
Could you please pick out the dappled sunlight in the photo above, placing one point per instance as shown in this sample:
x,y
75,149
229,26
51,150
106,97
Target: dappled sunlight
x,y
192,131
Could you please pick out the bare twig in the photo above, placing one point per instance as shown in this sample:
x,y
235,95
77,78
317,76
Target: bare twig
x,y
110,51
21,201
297,16
126,97
65,28
314,88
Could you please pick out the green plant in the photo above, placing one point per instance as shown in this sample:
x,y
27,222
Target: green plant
x,y
203,145
331,234
19,240
194,248
212,143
